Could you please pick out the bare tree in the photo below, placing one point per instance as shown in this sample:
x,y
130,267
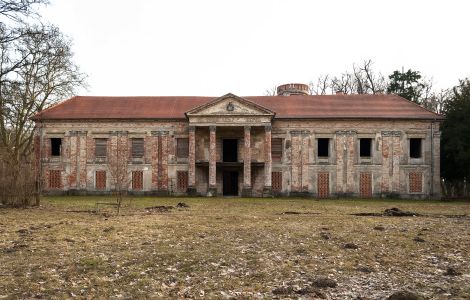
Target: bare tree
x,y
36,70
45,76
366,80
117,164
437,101
271,92
15,10
321,86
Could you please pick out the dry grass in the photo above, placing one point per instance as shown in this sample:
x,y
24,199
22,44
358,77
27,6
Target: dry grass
x,y
241,248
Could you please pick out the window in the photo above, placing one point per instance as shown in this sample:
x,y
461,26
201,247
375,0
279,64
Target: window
x,y
182,148
365,147
56,145
276,149
182,181
54,179
415,148
137,148
137,180
100,180
100,147
323,147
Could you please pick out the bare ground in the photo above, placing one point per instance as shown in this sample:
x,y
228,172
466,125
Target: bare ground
x,y
235,248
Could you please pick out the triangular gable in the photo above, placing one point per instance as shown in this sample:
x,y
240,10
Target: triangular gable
x,y
230,105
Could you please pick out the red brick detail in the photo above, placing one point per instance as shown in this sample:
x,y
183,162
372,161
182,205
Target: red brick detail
x,y
154,161
137,180
100,180
323,185
247,157
416,182
182,181
277,181
365,185
212,157
90,149
192,157
55,180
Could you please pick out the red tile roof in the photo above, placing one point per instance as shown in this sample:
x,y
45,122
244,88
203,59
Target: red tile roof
x,y
295,106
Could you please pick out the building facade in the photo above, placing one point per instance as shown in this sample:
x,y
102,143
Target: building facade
x,y
292,144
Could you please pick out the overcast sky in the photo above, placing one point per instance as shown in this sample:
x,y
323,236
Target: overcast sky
x,y
209,48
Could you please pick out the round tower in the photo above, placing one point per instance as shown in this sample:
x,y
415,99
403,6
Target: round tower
x,y
293,89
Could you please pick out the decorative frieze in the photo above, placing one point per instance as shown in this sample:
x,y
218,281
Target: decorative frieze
x,y
159,133
391,133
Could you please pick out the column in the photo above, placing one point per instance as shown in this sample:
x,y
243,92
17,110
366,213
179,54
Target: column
x,y
212,162
192,161
267,162
246,192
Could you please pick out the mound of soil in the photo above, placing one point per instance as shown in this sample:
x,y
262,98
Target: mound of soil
x,y
160,208
389,212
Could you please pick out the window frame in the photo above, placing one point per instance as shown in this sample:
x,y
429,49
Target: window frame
x,y
420,151
105,140
275,155
52,147
135,154
328,147
178,148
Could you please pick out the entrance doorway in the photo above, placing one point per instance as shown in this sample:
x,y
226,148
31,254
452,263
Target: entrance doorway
x,y
230,150
230,184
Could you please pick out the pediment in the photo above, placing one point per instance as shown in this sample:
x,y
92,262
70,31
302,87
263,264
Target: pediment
x,y
230,105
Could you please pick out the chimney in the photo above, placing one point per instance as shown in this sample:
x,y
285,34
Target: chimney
x,y
293,89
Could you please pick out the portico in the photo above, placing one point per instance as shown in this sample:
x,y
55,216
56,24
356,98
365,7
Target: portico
x,y
228,138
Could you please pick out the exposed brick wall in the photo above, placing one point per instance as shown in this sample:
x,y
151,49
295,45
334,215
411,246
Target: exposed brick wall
x,y
390,167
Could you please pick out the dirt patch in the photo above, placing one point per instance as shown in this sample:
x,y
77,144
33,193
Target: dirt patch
x,y
324,282
298,213
405,295
159,208
389,212
452,271
182,205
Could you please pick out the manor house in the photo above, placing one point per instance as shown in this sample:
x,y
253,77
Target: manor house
x,y
291,144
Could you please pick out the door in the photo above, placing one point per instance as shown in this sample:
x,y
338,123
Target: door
x,y
230,184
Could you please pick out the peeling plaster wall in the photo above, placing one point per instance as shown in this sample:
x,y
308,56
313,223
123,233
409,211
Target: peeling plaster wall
x,y
389,166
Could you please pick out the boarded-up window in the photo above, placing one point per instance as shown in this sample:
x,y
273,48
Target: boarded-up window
x,y
276,149
137,180
54,179
365,185
277,181
100,180
416,182
137,148
56,144
100,147
182,181
323,185
182,148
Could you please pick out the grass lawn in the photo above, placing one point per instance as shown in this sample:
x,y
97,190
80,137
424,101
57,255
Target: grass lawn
x,y
234,248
